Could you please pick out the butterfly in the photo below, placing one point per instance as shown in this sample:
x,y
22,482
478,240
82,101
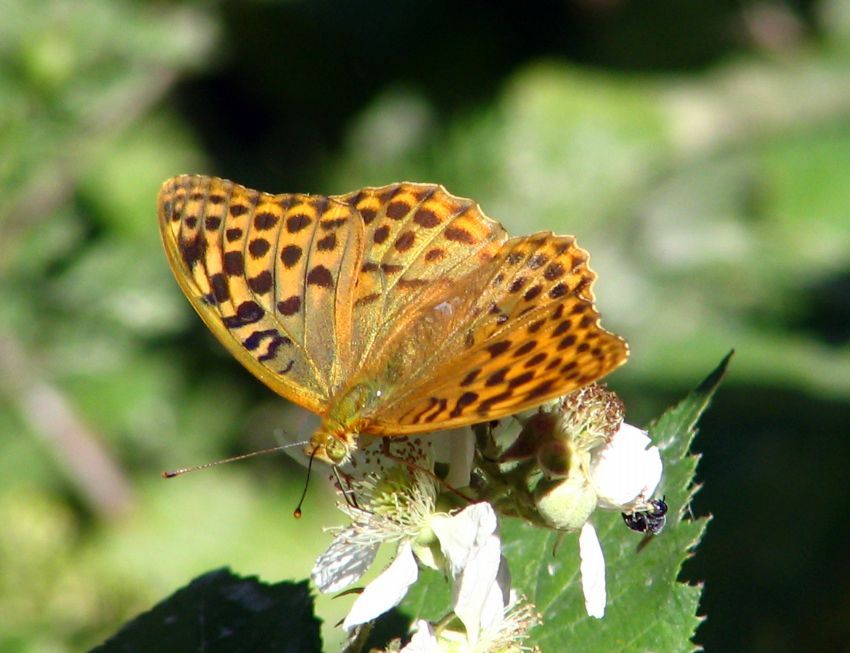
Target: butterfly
x,y
387,311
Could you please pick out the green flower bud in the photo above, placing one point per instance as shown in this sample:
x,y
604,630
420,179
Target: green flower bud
x,y
566,504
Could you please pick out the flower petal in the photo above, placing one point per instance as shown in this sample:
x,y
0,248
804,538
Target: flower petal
x,y
423,640
497,599
625,470
387,590
471,544
342,563
592,571
462,534
457,448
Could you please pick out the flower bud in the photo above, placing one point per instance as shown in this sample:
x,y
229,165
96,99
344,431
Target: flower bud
x,y
566,504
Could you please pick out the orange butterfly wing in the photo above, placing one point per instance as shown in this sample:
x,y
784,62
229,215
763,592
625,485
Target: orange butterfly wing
x,y
404,290
530,333
258,270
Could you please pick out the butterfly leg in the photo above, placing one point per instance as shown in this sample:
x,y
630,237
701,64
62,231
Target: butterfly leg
x,y
345,488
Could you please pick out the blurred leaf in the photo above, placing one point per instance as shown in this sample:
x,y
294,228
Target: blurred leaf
x,y
557,136
567,135
71,78
57,239
41,571
121,187
220,613
835,21
123,285
711,204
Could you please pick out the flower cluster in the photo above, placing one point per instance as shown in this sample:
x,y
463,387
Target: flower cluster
x,y
401,507
570,458
578,455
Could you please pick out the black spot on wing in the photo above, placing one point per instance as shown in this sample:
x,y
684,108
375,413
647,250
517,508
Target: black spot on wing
x,y
247,313
276,343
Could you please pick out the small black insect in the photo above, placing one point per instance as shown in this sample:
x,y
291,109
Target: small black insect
x,y
651,520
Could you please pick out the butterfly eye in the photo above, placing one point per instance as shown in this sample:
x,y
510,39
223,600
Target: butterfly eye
x,y
336,450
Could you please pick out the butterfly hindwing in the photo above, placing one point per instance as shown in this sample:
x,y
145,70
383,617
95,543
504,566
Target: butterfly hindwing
x,y
532,334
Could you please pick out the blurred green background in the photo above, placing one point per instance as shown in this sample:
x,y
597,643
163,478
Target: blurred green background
x,y
700,151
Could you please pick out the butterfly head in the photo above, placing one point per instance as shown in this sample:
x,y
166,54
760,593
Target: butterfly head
x,y
331,445
336,438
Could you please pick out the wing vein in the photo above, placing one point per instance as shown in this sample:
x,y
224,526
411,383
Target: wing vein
x,y
385,318
323,380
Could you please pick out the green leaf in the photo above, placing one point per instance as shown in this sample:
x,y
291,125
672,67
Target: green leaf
x,y
647,608
220,612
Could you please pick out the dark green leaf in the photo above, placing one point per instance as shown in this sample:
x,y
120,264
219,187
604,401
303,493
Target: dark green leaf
x,y
648,610
220,612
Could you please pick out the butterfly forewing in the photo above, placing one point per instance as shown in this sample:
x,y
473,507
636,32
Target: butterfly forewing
x,y
319,248
222,241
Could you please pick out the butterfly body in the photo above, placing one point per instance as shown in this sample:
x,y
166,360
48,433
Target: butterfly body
x,y
389,311
336,436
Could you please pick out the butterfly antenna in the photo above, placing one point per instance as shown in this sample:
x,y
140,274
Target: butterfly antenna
x,y
195,468
297,512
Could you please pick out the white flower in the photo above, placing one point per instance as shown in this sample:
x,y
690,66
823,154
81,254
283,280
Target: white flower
x,y
394,509
626,470
620,474
400,507
472,550
386,591
624,473
481,582
506,634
